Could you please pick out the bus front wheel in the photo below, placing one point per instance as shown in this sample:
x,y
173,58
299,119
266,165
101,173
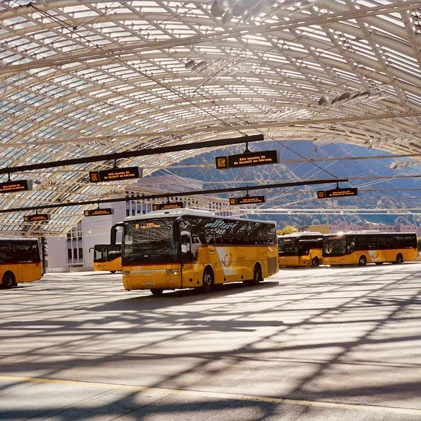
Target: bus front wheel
x,y
8,280
157,292
362,261
207,281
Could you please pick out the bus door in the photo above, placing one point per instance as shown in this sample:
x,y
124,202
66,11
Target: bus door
x,y
188,255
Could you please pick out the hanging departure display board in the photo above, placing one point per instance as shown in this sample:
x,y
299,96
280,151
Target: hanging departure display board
x,y
248,159
115,174
323,194
165,206
98,212
15,186
246,200
38,217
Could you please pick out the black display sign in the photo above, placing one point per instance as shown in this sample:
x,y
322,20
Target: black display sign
x,y
114,174
165,206
247,200
323,194
38,217
98,212
15,186
248,159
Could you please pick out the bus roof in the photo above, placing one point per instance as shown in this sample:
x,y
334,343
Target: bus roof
x,y
302,234
186,211
368,232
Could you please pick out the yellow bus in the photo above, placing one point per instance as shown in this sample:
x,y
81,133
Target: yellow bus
x,y
107,257
300,249
181,248
20,261
362,247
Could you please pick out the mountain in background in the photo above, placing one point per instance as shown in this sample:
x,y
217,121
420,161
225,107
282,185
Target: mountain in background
x,y
379,185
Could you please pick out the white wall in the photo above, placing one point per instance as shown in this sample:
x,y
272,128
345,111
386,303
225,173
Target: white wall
x,y
95,230
57,254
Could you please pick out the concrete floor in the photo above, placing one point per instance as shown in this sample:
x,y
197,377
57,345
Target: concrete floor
x,y
307,344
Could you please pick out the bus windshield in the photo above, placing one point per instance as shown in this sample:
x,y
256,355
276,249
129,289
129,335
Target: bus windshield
x,y
106,252
150,241
287,246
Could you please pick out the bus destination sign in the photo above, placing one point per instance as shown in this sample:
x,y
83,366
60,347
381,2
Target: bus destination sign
x,y
248,159
323,194
98,212
15,186
166,206
247,200
38,217
115,174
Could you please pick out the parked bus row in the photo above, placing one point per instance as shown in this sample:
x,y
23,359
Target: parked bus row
x,y
303,249
181,248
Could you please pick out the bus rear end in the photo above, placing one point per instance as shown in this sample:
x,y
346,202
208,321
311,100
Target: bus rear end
x,y
20,261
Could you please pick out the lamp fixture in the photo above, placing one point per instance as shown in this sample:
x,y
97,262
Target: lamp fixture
x,y
373,94
195,66
402,164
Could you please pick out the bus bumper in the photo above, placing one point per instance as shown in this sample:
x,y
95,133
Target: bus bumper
x,y
151,279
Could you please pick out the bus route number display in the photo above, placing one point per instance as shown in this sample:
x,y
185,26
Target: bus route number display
x,y
114,174
323,194
249,159
247,200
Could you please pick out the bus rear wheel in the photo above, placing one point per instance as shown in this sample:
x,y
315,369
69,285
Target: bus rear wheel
x,y
362,261
207,281
8,280
399,259
157,292
315,262
257,275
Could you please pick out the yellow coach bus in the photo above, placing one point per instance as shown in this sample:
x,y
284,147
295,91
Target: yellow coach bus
x,y
20,261
300,249
362,247
107,257
181,248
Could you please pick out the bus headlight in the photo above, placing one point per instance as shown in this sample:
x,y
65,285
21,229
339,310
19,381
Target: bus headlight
x,y
173,272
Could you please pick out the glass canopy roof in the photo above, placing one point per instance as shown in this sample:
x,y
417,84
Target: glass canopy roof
x,y
82,79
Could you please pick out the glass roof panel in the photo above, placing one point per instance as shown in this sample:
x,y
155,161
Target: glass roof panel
x,y
81,79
